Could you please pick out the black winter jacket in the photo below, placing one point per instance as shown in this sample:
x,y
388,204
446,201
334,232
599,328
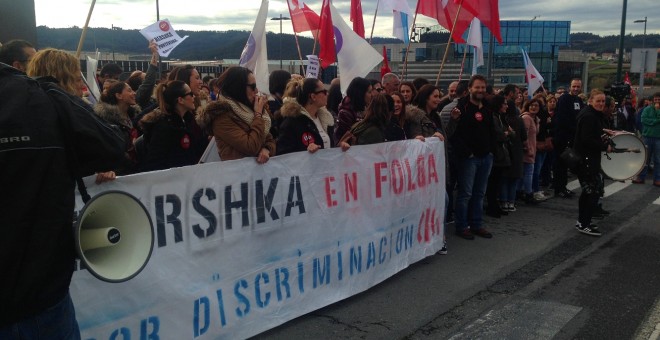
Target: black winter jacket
x,y
36,180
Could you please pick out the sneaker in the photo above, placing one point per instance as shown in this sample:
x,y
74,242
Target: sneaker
x,y
443,250
539,196
591,229
482,232
638,181
466,234
565,193
512,207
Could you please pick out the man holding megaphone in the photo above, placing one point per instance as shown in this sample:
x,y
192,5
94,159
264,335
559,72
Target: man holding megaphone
x,y
48,138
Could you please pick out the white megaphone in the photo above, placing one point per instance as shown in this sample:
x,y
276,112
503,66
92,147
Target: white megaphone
x,y
114,236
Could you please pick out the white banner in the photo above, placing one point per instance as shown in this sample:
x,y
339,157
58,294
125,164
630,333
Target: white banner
x,y
241,247
164,35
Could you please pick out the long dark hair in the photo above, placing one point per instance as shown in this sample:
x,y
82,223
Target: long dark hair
x,y
334,98
182,73
233,84
308,87
402,115
423,95
378,111
109,96
168,95
412,88
356,91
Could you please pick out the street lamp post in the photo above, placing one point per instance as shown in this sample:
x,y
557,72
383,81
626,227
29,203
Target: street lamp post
x,y
643,66
619,65
280,19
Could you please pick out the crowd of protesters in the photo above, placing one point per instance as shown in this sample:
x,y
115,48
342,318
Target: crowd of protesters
x,y
502,146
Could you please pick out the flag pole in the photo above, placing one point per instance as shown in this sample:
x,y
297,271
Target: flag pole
x,y
319,30
302,64
84,31
460,75
374,23
444,59
405,60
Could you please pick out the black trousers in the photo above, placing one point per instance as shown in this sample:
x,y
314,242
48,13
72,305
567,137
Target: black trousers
x,y
559,170
592,189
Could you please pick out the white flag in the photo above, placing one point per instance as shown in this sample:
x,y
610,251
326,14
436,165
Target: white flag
x,y
401,29
474,39
355,57
534,78
164,35
254,56
90,78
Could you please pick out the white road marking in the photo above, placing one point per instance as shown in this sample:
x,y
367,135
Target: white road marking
x,y
657,201
615,187
573,185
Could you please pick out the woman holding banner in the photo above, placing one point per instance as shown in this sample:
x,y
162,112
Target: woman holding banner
x,y
237,119
307,124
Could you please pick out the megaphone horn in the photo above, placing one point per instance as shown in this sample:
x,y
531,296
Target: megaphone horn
x,y
114,236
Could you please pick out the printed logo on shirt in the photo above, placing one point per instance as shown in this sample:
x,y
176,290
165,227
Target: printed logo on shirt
x,y
478,116
576,106
185,142
307,138
134,134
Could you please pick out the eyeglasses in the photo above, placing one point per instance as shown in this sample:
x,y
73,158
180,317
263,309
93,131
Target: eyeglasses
x,y
324,91
189,94
253,86
379,89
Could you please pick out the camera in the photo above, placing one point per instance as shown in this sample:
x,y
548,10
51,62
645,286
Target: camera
x,y
618,91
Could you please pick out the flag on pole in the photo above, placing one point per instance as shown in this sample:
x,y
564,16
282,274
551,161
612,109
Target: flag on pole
x,y
356,58
474,39
385,69
401,14
534,78
633,94
356,17
303,18
326,36
254,56
445,12
488,11
401,28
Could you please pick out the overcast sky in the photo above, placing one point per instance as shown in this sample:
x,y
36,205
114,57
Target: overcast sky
x,y
602,17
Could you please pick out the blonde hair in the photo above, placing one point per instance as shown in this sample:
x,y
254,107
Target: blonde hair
x,y
292,88
58,64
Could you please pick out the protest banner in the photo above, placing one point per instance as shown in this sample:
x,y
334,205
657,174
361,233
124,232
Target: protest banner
x,y
241,248
313,66
164,35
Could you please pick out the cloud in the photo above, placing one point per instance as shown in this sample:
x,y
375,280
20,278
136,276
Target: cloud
x,y
602,17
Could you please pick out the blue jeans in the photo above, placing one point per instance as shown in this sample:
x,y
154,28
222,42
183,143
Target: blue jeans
x,y
56,322
528,174
653,152
472,181
538,164
509,187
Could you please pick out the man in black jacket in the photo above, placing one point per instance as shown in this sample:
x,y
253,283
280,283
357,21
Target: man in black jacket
x,y
43,131
569,106
471,143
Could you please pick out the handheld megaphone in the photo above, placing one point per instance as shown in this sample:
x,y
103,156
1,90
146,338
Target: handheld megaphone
x,y
114,236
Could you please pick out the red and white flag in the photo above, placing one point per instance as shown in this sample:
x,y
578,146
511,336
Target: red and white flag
x,y
303,18
488,11
534,78
326,36
356,17
446,12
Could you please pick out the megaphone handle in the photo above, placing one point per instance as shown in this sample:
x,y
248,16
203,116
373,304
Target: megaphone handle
x,y
82,189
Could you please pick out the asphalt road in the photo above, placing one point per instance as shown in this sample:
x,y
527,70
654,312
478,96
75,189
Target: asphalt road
x,y
538,278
